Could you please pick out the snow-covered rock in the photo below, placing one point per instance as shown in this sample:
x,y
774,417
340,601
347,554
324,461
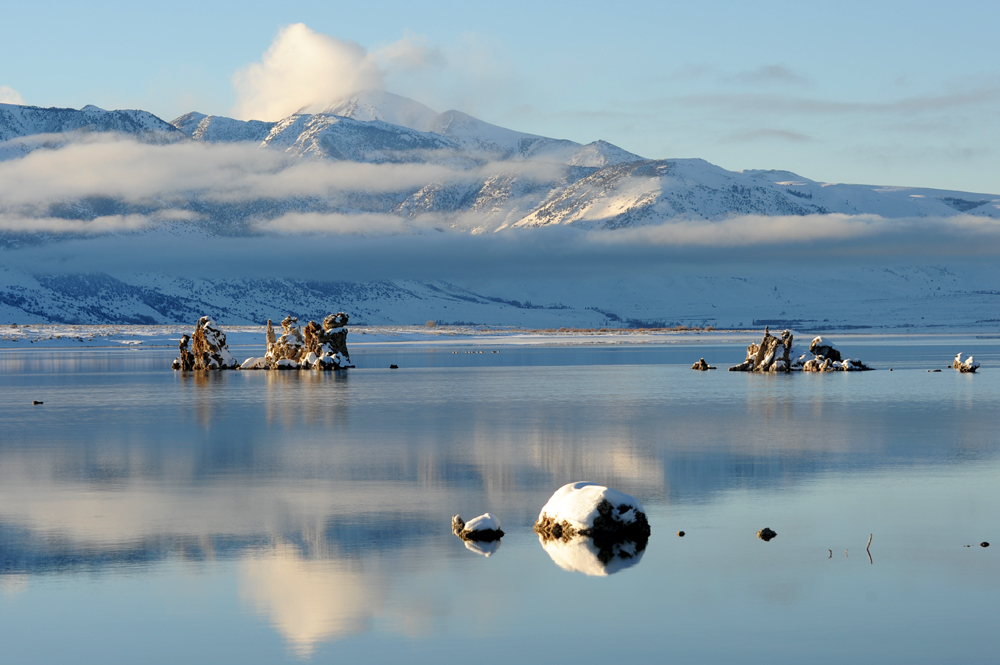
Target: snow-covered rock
x,y
771,355
593,511
283,352
485,528
209,351
254,363
967,366
317,347
819,347
827,358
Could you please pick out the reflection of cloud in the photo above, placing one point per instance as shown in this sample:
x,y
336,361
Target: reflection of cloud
x,y
309,602
13,584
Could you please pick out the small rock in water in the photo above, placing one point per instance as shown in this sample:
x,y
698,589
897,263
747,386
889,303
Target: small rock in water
x,y
485,528
702,366
766,534
35,401
984,544
393,366
680,534
967,366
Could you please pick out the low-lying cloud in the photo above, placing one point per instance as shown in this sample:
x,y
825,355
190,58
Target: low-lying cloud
x,y
165,176
162,223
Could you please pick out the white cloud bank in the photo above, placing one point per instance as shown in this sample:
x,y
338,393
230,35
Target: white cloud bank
x,y
9,95
307,70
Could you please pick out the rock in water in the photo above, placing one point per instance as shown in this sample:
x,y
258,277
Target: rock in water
x,y
612,524
967,367
818,347
771,355
485,528
209,351
185,361
317,347
766,534
283,352
702,366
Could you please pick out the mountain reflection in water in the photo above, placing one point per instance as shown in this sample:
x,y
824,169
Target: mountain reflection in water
x,y
328,496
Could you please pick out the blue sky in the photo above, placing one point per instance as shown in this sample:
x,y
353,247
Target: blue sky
x,y
887,92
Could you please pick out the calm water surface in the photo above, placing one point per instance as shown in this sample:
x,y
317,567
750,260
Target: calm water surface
x,y
158,517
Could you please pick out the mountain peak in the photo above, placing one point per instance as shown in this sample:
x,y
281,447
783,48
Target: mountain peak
x,y
369,105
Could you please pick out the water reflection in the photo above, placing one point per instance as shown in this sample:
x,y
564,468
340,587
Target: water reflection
x,y
582,555
482,548
310,601
318,487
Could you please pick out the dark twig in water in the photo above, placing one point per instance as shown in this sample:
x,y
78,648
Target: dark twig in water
x,y
868,550
831,554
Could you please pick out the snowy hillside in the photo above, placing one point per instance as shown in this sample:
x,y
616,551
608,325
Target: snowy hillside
x,y
20,121
911,298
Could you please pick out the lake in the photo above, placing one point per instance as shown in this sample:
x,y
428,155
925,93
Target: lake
x,y
259,517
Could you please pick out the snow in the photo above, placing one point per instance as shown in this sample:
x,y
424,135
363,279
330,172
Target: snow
x,y
968,365
577,503
485,522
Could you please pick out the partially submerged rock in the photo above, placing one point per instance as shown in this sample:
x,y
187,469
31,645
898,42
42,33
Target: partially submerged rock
x,y
184,361
612,523
826,358
771,355
485,528
819,347
319,347
967,366
766,534
701,366
209,351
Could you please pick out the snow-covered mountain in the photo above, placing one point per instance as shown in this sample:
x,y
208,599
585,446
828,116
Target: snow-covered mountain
x,y
380,160
24,129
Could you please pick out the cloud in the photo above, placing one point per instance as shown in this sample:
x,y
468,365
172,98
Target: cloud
x,y
100,225
771,134
372,247
300,69
307,70
106,166
410,53
10,96
768,102
769,74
